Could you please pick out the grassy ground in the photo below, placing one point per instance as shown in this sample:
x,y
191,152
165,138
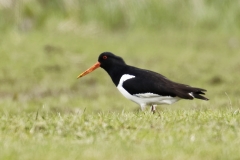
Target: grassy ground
x,y
46,113
182,134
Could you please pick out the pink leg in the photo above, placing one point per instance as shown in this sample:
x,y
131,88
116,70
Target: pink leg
x,y
153,108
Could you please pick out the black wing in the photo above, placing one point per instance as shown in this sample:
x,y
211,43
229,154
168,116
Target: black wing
x,y
146,81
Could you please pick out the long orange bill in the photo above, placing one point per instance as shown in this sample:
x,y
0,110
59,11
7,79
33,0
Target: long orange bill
x,y
89,70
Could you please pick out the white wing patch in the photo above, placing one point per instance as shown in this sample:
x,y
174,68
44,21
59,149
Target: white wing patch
x,y
146,95
191,94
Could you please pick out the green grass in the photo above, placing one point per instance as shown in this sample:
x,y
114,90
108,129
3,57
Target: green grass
x,y
181,134
120,15
46,113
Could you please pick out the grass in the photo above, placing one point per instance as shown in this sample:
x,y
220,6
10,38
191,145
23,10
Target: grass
x,y
178,134
181,134
120,15
46,113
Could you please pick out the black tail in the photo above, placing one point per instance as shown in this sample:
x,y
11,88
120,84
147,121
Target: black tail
x,y
187,92
199,94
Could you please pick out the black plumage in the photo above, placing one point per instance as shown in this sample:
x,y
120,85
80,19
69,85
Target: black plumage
x,y
146,81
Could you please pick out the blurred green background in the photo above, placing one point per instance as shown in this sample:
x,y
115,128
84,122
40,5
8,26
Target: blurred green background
x,y
71,15
45,44
45,111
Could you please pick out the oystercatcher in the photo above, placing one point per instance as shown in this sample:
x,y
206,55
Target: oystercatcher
x,y
142,86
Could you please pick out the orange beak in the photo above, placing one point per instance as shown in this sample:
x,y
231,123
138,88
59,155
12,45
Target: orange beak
x,y
89,70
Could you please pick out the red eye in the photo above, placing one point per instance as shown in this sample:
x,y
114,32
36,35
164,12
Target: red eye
x,y
104,57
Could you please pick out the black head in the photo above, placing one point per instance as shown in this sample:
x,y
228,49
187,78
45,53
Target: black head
x,y
108,59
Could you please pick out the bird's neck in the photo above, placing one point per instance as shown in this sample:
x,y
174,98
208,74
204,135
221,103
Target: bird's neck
x,y
116,72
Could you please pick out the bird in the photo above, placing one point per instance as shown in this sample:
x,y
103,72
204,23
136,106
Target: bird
x,y
142,86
